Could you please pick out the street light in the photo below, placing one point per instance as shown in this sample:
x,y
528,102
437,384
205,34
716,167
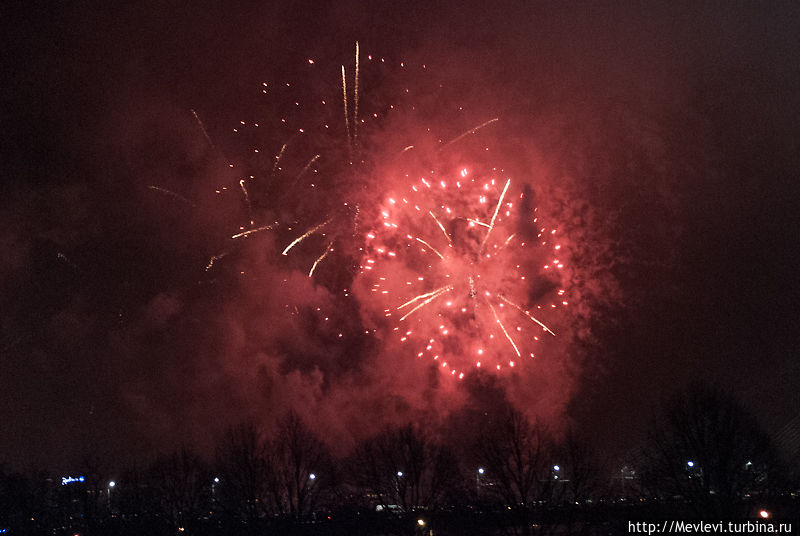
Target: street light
x,y
399,473
312,476
690,463
111,484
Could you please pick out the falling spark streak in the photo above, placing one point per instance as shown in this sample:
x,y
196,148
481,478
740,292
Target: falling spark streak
x,y
203,128
247,200
213,259
172,194
346,115
278,159
64,258
506,243
431,247
443,290
526,313
408,148
308,165
440,226
423,296
355,99
502,327
302,172
304,236
494,216
470,131
477,222
244,191
252,231
320,259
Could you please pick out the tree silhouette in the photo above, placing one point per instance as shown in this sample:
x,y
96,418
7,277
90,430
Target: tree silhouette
x,y
706,448
244,476
180,479
298,467
405,469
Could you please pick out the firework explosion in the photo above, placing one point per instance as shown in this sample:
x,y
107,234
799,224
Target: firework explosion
x,y
465,270
459,265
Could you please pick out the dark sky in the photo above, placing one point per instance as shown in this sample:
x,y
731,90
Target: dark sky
x,y
664,138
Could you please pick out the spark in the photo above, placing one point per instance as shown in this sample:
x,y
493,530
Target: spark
x,y
470,131
303,171
170,193
502,327
304,236
430,246
476,222
203,128
253,231
65,259
526,313
213,259
355,99
278,158
494,216
247,200
346,115
433,295
320,258
446,235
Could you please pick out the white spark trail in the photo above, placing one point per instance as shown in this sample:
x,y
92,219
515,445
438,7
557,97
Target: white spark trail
x,y
433,295
431,247
170,193
470,131
447,236
304,236
526,313
278,159
252,231
355,99
320,258
494,216
502,327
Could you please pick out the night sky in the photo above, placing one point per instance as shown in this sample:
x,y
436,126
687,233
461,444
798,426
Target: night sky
x,y
664,141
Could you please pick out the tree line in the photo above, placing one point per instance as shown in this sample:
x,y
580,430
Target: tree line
x,y
704,457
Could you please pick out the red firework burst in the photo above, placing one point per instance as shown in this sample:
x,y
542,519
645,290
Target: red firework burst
x,y
464,270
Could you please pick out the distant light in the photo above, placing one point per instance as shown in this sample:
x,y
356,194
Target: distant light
x,y
764,514
556,468
312,476
421,522
70,480
216,480
112,484
399,473
481,470
690,463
